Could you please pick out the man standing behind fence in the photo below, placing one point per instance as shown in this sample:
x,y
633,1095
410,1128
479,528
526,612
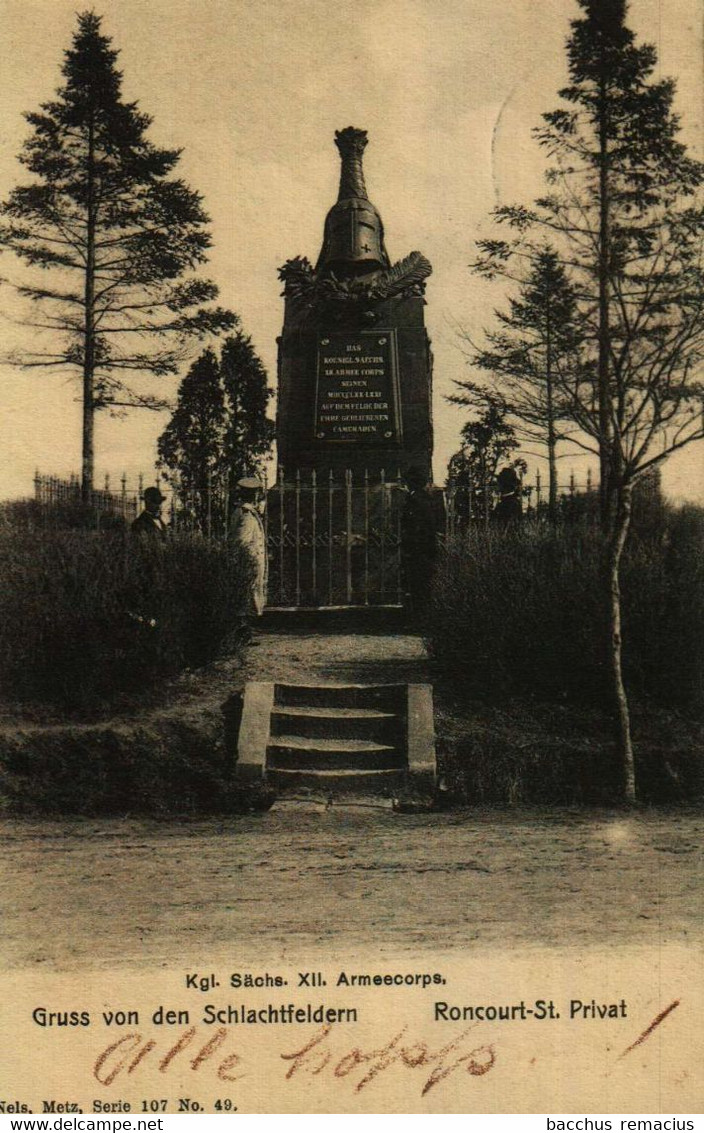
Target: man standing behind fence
x,y
419,540
508,510
149,522
248,534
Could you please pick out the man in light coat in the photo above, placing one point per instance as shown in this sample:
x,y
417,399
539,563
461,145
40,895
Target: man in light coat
x,y
247,532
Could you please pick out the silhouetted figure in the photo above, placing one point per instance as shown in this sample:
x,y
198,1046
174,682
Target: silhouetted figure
x,y
419,540
149,522
509,509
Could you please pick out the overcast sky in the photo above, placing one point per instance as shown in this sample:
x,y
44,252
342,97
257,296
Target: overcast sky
x,y
253,91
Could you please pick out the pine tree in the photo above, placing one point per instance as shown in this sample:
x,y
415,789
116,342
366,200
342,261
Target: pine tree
x,y
529,359
622,214
119,236
219,430
249,432
620,169
191,446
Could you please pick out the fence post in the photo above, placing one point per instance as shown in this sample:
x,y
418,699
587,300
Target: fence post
x,y
399,580
348,537
382,549
366,536
298,536
282,528
330,534
314,525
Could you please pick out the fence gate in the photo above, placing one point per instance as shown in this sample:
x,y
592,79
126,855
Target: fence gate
x,y
334,540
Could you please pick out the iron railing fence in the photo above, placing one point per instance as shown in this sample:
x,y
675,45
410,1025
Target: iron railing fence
x,y
333,539
203,510
63,500
467,506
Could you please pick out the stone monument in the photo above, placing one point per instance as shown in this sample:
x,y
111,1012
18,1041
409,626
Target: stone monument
x,y
355,366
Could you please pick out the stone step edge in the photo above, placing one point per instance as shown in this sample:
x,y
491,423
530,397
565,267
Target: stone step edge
x,y
316,712
320,743
383,686
337,773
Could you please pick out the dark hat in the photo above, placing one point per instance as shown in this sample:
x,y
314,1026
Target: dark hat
x,y
416,477
508,480
153,496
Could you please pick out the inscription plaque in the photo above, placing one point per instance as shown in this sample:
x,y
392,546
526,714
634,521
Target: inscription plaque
x,y
357,388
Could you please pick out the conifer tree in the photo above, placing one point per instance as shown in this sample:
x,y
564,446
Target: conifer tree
x,y
219,430
112,241
620,172
191,446
529,359
249,433
622,213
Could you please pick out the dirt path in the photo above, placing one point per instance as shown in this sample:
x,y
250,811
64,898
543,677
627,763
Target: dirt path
x,y
91,894
301,657
338,657
78,894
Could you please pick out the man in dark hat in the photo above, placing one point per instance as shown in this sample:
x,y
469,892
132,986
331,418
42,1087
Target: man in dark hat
x,y
247,532
419,540
508,511
149,522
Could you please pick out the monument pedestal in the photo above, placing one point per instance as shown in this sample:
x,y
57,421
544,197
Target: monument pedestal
x,y
356,397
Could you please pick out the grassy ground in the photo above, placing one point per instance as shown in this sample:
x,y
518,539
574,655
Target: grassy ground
x,y
524,752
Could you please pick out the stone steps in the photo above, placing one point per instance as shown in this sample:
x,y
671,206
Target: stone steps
x,y
343,723
378,781
338,738
287,753
387,698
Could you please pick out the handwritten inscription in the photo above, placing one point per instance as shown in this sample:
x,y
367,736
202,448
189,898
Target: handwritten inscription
x,y
123,1057
355,399
363,1066
317,1055
326,1053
